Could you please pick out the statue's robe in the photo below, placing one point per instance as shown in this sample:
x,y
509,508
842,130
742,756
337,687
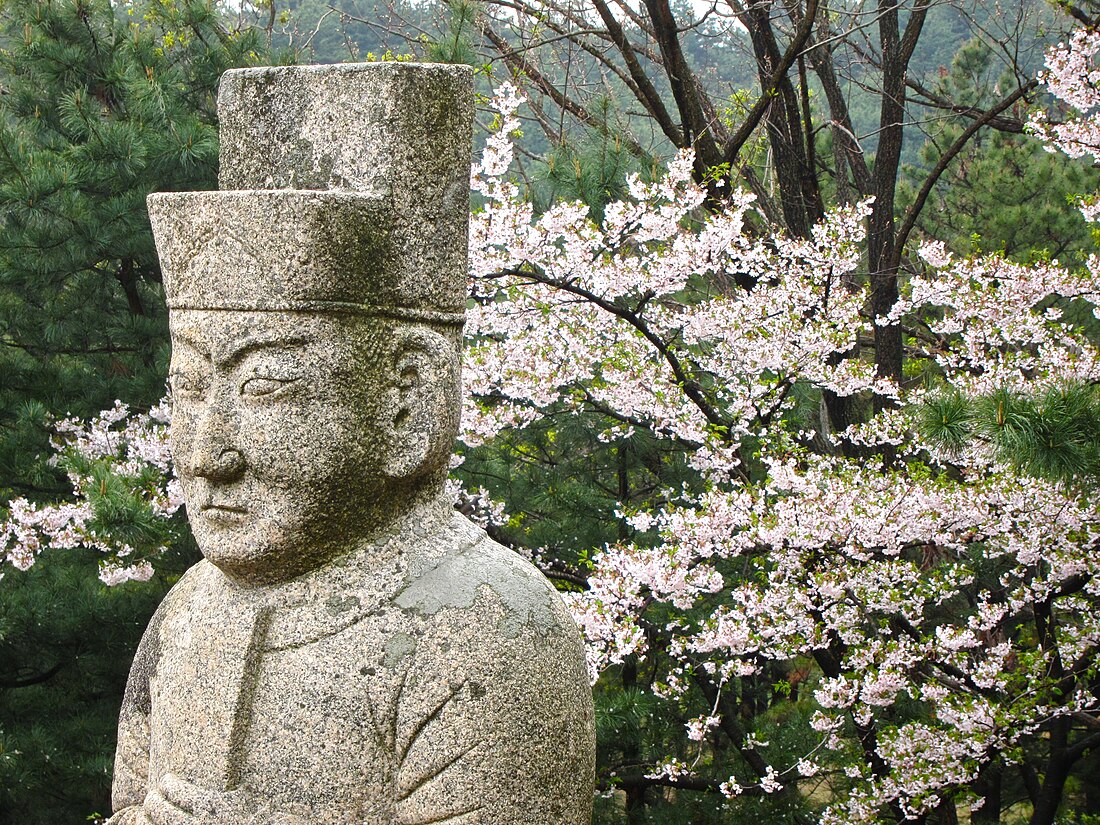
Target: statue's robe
x,y
432,678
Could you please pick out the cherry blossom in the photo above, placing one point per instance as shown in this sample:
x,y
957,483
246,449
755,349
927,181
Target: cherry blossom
x,y
908,581
132,448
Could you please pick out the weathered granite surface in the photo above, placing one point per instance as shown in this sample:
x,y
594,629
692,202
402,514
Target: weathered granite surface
x,y
397,130
351,650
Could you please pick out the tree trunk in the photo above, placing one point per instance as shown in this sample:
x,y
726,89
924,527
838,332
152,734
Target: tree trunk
x,y
881,262
795,178
1055,776
988,787
635,793
945,814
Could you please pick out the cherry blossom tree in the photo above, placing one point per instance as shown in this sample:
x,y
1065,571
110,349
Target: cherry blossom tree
x,y
124,496
949,604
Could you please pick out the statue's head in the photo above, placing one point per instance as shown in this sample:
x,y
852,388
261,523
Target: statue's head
x,y
316,389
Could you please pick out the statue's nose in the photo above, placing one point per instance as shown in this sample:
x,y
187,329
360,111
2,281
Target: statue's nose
x,y
225,464
215,455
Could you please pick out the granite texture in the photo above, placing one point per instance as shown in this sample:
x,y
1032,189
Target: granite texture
x,y
400,131
351,650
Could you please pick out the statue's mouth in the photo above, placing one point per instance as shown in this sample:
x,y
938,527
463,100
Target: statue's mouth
x,y
224,514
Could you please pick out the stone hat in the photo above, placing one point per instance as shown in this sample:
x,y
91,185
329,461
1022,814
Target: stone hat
x,y
290,250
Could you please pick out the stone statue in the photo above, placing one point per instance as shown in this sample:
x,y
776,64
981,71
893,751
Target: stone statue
x,y
351,650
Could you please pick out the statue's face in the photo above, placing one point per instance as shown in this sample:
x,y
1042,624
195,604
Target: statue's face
x,y
276,436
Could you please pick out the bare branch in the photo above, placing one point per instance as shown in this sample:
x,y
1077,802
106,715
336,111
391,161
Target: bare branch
x,y
913,212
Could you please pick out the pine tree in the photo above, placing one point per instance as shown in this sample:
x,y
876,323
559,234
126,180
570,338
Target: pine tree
x,y
1055,435
100,109
101,104
1003,193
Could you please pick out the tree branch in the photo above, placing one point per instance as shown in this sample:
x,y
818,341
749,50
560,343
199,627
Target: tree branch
x,y
35,679
523,66
914,210
686,381
752,119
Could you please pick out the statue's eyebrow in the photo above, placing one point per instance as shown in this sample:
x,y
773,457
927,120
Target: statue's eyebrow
x,y
190,343
231,354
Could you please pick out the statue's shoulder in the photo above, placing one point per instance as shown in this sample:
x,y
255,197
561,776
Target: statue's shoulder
x,y
470,572
200,587
178,601
198,579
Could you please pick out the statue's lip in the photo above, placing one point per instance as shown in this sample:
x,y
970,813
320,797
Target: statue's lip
x,y
223,512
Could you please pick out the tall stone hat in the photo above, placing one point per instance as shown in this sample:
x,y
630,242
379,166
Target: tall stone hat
x,y
343,188
287,250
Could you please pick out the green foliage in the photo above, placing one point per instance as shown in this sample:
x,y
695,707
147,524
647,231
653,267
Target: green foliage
x,y
66,642
317,31
1054,436
551,467
455,44
103,103
101,108
1003,193
591,170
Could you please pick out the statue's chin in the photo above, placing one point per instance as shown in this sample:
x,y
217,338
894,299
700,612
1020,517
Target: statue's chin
x,y
252,555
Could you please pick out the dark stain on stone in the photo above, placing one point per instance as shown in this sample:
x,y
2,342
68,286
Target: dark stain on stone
x,y
336,605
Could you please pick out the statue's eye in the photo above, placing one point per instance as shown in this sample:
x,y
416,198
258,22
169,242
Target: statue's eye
x,y
265,386
189,384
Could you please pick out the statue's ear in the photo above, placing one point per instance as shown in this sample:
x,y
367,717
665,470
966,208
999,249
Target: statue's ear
x,y
422,420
